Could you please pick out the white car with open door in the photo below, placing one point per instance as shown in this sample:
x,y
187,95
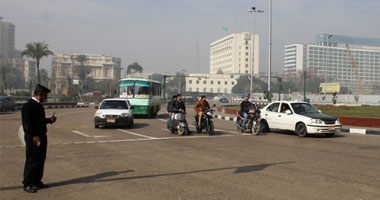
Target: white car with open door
x,y
300,117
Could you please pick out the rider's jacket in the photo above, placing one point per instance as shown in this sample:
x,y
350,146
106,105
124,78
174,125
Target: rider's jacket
x,y
178,105
245,106
201,106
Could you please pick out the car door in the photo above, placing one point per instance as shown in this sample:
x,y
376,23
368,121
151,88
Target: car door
x,y
271,115
286,121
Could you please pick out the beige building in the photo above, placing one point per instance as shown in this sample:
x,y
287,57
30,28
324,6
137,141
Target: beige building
x,y
235,53
211,83
7,40
28,67
103,67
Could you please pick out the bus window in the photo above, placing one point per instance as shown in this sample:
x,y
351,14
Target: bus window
x,y
142,92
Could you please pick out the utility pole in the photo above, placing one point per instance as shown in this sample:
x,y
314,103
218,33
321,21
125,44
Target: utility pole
x,y
270,50
304,85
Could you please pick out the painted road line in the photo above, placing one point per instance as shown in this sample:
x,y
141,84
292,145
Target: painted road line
x,y
137,134
80,133
99,136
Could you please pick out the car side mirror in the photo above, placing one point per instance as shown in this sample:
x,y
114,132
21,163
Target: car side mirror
x,y
288,112
96,107
214,105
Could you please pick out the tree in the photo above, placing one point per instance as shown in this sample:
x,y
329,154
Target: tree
x,y
243,85
45,79
81,70
134,68
37,50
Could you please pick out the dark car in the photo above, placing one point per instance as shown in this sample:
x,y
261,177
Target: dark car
x,y
7,103
223,100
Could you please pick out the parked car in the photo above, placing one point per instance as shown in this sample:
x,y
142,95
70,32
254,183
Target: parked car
x,y
223,100
300,117
7,103
114,112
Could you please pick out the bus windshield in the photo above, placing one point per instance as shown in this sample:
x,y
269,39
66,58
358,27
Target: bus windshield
x,y
135,89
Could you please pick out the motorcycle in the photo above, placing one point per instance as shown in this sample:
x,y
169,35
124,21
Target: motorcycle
x,y
206,122
252,123
179,123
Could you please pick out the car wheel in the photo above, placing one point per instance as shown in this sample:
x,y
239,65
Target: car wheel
x,y
329,134
96,126
264,126
301,130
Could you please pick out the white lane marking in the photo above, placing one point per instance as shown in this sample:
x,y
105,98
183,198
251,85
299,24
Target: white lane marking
x,y
137,134
80,133
99,136
21,135
163,120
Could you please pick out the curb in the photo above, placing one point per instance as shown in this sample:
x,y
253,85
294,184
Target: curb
x,y
346,130
61,106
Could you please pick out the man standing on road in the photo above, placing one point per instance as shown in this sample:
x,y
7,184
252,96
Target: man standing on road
x,y
170,109
177,105
200,107
34,124
244,109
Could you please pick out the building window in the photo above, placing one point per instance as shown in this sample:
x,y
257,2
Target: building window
x,y
246,60
232,83
225,83
246,65
246,53
246,42
190,89
204,89
246,47
246,71
218,82
197,89
204,82
212,82
190,81
211,89
197,82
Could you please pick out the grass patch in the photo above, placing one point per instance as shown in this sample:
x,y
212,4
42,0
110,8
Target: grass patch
x,y
354,111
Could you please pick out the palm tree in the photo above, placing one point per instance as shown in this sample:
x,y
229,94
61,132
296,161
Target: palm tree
x,y
37,50
81,70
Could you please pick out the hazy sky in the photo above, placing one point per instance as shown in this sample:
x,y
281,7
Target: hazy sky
x,y
162,35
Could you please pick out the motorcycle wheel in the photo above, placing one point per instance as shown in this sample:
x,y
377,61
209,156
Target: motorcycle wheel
x,y
199,130
181,130
256,129
210,128
168,125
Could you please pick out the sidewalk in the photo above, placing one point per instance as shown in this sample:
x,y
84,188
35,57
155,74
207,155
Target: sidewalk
x,y
345,129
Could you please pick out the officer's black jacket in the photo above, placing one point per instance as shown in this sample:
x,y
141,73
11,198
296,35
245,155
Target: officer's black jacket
x,y
33,119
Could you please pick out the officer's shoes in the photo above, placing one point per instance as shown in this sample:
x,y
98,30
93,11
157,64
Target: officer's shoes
x,y
30,189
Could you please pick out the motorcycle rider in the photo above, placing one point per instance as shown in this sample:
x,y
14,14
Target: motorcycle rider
x,y
245,106
201,106
170,109
177,105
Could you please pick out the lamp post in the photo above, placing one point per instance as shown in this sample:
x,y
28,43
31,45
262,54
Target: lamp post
x,y
328,37
270,50
253,11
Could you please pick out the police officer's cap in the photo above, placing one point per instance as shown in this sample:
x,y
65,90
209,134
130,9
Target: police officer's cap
x,y
41,89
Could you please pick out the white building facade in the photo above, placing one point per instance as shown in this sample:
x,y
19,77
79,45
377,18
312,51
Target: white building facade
x,y
235,54
293,61
103,67
211,83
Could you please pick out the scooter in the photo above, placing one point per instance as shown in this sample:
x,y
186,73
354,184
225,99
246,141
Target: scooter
x,y
179,123
252,123
206,122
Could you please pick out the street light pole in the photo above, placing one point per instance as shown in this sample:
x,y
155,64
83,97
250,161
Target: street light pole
x,y
253,11
270,50
328,37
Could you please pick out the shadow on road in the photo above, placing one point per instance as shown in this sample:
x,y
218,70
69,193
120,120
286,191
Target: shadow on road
x,y
100,177
308,136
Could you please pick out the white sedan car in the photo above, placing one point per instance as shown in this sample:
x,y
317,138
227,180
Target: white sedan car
x,y
301,117
114,112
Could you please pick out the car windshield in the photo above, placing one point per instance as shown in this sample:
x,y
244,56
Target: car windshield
x,y
304,108
114,105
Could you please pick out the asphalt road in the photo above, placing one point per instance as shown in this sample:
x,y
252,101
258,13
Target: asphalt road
x,y
148,162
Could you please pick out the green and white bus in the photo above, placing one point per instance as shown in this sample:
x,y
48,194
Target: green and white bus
x,y
143,94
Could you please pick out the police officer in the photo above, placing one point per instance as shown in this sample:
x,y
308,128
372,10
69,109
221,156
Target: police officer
x,y
34,124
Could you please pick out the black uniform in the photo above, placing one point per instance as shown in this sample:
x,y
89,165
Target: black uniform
x,y
34,124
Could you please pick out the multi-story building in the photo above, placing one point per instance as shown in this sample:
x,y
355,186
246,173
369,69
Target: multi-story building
x,y
7,40
211,83
102,67
235,53
353,62
27,67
